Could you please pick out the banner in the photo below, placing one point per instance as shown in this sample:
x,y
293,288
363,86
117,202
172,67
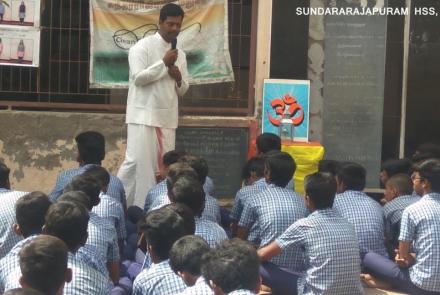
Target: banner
x,y
19,47
118,25
286,102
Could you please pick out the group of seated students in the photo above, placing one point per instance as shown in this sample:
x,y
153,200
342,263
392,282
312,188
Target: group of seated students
x,y
82,238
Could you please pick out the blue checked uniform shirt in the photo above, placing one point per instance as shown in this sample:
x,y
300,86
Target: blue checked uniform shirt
x,y
245,193
199,288
331,250
421,224
8,238
90,255
115,188
102,235
157,190
159,279
211,211
275,209
113,211
210,231
393,214
367,217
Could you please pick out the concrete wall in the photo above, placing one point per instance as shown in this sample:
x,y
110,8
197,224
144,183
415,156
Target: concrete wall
x,y
37,145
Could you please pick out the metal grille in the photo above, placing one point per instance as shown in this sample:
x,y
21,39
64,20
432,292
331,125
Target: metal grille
x,y
63,75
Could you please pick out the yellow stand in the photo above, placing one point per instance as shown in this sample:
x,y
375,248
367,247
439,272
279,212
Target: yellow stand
x,y
307,156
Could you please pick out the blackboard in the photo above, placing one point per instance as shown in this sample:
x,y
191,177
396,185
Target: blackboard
x,y
354,76
225,150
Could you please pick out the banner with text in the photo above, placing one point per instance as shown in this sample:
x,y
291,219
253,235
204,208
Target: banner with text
x,y
118,25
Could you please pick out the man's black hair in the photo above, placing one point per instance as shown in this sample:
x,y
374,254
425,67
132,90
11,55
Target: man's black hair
x,y
233,265
430,170
67,221
199,165
43,264
172,157
426,151
254,164
352,175
268,142
186,254
88,185
161,228
321,189
30,210
188,191
402,182
99,173
170,9
396,166
4,176
187,214
328,166
91,147
281,167
76,197
177,170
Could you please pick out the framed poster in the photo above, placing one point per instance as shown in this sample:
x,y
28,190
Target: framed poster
x,y
19,47
286,105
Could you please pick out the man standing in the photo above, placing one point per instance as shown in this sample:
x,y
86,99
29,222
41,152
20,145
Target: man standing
x,y
158,75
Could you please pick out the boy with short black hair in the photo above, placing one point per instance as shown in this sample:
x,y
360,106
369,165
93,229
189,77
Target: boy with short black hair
x,y
392,167
160,229
275,209
398,195
186,261
267,142
43,264
102,234
362,211
328,240
232,268
91,152
30,211
418,259
328,166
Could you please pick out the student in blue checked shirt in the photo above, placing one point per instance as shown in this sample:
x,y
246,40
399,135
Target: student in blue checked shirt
x,y
415,273
160,229
43,265
275,209
362,211
328,240
8,238
186,261
108,207
102,234
91,151
398,196
232,268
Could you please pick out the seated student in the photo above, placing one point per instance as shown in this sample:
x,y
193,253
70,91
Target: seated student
x,y
232,268
160,229
416,273
108,207
91,151
8,238
23,291
256,171
362,211
187,190
102,234
30,210
68,222
275,209
160,188
186,260
200,166
328,240
398,196
267,142
43,265
393,167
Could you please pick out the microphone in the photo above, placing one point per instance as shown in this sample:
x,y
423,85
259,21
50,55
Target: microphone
x,y
174,43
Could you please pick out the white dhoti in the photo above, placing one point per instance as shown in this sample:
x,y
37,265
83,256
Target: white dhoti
x,y
143,157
